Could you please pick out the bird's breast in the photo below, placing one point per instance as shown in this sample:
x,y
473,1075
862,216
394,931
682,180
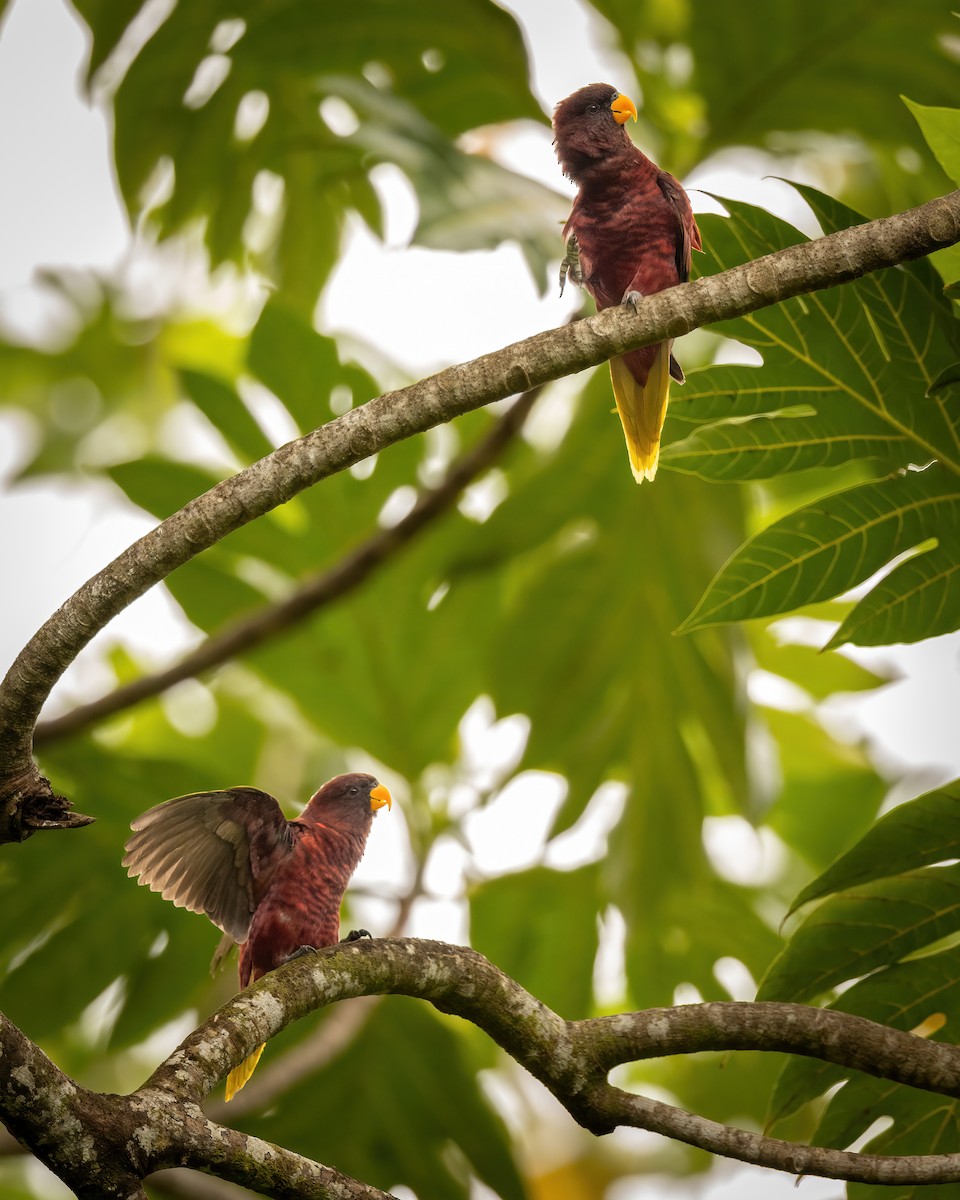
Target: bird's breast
x,y
626,243
300,908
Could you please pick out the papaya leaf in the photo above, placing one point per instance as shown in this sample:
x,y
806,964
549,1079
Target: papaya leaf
x,y
916,834
857,931
827,548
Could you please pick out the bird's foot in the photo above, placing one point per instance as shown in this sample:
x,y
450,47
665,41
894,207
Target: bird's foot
x,y
632,298
570,267
301,952
356,934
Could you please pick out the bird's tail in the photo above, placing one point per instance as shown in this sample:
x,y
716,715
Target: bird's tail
x,y
642,408
240,1075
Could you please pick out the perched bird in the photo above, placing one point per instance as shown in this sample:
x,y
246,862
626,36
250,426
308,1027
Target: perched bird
x,y
630,233
272,885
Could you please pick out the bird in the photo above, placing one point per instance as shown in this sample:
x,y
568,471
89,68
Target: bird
x,y
630,233
273,886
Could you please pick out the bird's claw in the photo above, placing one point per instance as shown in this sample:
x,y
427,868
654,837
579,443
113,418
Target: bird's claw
x,y
571,263
356,934
632,298
301,952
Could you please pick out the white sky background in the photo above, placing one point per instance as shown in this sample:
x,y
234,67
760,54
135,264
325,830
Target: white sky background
x,y
59,207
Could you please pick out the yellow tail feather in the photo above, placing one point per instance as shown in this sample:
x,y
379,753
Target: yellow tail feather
x,y
642,410
240,1075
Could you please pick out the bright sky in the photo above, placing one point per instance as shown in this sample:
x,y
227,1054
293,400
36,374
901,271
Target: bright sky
x,y
59,207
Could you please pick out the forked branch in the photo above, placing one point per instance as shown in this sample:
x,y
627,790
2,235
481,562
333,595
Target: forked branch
x,y
119,1140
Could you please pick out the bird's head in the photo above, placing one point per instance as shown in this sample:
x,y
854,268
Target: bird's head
x,y
590,125
349,800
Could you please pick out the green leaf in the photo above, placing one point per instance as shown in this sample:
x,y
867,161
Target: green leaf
x,y
923,1124
916,834
540,926
858,931
825,549
107,20
846,372
454,69
782,75
941,128
820,675
467,201
919,599
917,331
76,916
681,950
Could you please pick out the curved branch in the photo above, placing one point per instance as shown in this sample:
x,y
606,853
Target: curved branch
x,y
102,1146
394,416
572,1058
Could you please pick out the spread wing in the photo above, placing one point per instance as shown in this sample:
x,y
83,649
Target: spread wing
x,y
211,852
688,235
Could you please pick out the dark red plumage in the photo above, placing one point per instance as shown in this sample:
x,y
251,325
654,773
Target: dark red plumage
x,y
270,884
630,234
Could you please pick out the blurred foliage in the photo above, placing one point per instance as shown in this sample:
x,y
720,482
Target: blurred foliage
x,y
252,133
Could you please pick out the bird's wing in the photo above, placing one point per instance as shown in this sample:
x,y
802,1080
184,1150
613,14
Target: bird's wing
x,y
211,852
688,235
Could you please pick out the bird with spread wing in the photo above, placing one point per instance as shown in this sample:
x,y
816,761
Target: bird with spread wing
x,y
272,885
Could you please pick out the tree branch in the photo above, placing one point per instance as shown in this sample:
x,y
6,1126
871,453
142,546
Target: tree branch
x,y
25,797
314,593
103,1143
572,1058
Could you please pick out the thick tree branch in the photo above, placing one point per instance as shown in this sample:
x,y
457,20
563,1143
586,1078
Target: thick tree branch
x,y
109,1143
824,262
102,1146
315,593
572,1058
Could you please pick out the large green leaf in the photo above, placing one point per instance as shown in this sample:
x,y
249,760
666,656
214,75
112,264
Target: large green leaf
x,y
922,1124
941,128
827,548
589,582
846,373
303,368
75,916
871,926
820,675
916,834
438,73
830,792
226,411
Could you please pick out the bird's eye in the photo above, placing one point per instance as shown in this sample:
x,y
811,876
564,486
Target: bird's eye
x,y
354,790
593,108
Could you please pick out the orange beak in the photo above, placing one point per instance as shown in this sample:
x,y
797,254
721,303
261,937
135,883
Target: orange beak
x,y
623,108
379,796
